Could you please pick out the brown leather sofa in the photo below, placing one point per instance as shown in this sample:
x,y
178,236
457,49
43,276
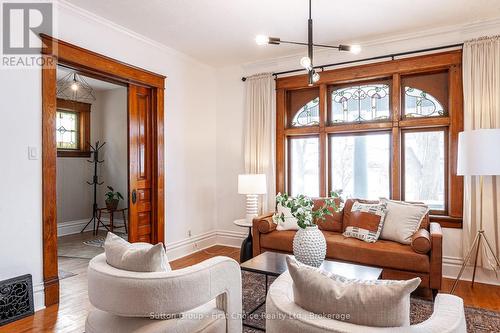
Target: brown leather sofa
x,y
398,261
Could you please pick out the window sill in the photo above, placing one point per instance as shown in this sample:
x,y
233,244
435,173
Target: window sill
x,y
447,221
73,153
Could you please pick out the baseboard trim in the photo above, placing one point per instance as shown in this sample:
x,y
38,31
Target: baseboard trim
x,y
182,248
74,227
71,227
452,265
39,296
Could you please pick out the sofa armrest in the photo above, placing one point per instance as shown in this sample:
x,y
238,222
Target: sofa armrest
x,y
264,223
436,255
261,225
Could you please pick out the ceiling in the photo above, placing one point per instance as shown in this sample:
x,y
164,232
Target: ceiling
x,y
222,32
97,85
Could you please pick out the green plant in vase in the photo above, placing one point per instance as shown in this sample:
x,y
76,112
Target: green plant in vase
x,y
301,208
309,244
112,198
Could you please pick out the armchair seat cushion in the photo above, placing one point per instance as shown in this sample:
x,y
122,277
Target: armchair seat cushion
x,y
382,253
206,318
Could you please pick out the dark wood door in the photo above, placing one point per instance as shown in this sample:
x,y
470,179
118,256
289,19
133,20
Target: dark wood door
x,y
140,164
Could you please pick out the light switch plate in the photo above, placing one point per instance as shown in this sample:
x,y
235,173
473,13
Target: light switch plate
x,y
32,153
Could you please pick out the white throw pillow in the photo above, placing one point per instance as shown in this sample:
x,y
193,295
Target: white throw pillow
x,y
136,257
290,222
402,220
379,303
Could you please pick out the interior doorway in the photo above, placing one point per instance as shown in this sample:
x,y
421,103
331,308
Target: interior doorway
x,y
92,166
145,150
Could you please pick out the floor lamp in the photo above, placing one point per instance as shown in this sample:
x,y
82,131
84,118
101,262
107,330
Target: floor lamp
x,y
478,156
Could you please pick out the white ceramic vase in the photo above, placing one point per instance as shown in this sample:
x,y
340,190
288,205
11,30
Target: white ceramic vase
x,y
309,246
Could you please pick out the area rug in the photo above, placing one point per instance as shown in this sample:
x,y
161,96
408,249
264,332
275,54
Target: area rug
x,y
478,320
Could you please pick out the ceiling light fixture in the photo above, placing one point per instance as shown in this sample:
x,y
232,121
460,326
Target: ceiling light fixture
x,y
307,62
74,87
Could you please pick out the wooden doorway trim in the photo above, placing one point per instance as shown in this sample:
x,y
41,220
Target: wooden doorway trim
x,y
59,52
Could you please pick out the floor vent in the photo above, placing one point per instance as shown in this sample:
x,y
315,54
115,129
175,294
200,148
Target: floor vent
x,y
16,299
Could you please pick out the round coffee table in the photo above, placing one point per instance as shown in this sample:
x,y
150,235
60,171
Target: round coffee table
x,y
246,246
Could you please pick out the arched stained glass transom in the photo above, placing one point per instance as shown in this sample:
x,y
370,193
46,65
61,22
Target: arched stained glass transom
x,y
419,103
308,115
360,103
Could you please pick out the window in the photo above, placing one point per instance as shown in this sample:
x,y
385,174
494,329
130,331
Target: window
x,y
360,103
386,129
68,130
418,103
425,95
424,167
308,115
304,166
360,165
72,129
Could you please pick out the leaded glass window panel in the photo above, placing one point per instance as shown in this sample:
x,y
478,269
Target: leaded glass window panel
x,y
360,103
67,130
308,115
419,103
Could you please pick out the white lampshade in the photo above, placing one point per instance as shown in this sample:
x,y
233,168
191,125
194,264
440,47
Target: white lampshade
x,y
479,153
252,184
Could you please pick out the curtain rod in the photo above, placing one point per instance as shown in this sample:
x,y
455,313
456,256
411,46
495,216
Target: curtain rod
x,y
392,56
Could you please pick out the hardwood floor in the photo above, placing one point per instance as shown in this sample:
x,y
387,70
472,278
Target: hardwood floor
x,y
70,314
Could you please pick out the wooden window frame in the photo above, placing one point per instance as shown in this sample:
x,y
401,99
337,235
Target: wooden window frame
x,y
83,112
392,70
443,212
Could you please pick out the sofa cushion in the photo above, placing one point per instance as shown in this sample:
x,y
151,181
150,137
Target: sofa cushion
x,y
385,254
365,221
278,240
331,222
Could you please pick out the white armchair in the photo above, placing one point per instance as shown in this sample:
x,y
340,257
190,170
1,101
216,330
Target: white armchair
x,y
284,316
202,298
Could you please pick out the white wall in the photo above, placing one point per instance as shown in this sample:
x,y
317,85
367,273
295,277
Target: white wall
x,y
113,126
189,136
230,111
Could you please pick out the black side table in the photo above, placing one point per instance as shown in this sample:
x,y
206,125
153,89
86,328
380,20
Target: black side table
x,y
246,247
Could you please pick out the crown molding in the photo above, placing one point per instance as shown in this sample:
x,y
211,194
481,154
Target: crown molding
x,y
458,30
63,4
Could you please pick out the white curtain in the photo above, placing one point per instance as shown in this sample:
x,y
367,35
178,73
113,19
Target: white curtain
x,y
481,79
260,120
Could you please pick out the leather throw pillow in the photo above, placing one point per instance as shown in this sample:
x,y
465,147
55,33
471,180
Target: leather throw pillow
x,y
365,221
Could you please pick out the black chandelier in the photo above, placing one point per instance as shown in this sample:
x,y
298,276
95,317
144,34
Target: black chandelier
x,y
307,62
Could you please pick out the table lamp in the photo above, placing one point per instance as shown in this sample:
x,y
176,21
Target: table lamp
x,y
478,156
252,185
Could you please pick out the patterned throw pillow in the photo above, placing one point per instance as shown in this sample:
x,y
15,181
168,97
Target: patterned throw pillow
x,y
366,221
